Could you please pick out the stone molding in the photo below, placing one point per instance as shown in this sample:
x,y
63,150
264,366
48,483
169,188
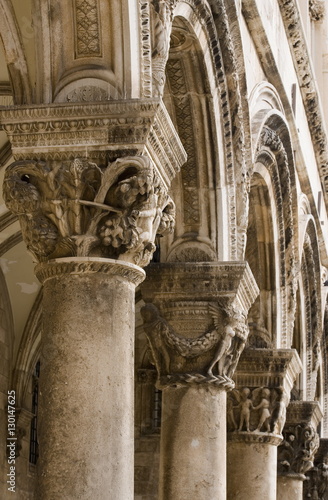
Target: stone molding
x,y
75,208
301,440
83,265
195,320
294,30
317,10
256,409
102,130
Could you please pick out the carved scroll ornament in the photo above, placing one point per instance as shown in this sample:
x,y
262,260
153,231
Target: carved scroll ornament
x,y
78,209
209,358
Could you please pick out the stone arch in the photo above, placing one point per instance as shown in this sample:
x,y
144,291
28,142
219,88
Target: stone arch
x,y
260,254
311,298
14,52
273,151
208,110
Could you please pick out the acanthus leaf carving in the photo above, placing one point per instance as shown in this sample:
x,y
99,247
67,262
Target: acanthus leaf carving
x,y
77,209
296,453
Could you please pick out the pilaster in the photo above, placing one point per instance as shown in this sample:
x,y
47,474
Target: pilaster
x,y
195,320
256,416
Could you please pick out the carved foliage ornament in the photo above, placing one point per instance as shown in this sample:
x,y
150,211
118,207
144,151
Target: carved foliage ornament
x,y
317,10
78,209
316,486
259,410
210,358
296,452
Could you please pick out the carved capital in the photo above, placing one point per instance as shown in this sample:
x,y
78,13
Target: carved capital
x,y
195,320
256,409
76,208
301,440
316,486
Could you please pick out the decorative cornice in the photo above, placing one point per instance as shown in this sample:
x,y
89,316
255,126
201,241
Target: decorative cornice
x,y
268,368
306,78
232,280
304,412
82,265
98,130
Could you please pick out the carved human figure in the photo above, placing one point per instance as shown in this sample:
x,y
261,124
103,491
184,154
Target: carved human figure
x,y
265,413
230,415
245,406
222,352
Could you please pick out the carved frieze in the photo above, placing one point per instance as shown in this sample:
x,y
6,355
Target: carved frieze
x,y
78,209
256,409
102,130
195,320
301,440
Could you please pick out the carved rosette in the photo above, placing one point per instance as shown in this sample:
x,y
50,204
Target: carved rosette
x,y
77,209
301,440
256,409
195,319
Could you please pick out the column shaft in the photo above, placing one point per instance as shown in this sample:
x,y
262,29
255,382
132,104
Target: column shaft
x,y
86,388
252,471
289,488
193,444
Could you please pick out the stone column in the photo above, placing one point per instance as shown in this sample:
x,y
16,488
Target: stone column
x,y
316,485
256,416
90,224
296,452
195,320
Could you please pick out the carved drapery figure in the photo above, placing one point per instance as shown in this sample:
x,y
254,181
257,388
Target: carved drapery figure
x,y
75,208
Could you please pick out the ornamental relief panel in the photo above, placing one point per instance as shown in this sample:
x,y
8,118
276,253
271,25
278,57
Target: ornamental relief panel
x,y
259,410
87,28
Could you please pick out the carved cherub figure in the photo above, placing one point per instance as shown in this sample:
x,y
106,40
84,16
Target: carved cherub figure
x,y
265,413
245,406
